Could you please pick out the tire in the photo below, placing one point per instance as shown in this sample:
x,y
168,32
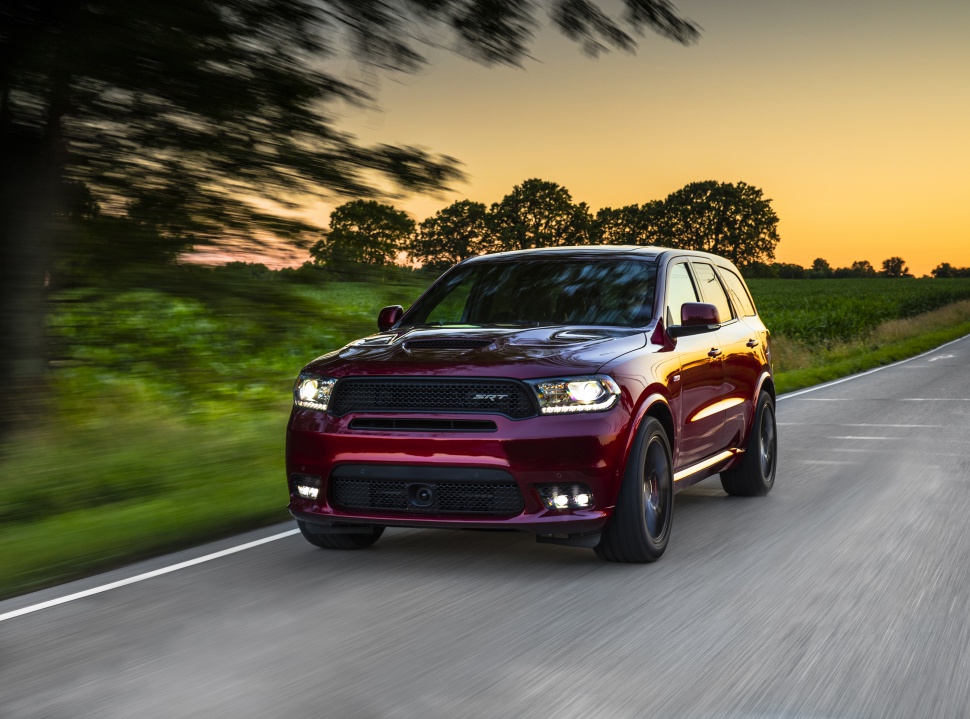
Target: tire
x,y
341,541
755,476
639,529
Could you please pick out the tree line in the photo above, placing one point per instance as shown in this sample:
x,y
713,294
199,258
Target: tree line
x,y
733,220
820,269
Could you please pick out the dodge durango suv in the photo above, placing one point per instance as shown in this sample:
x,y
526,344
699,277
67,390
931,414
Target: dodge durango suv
x,y
569,392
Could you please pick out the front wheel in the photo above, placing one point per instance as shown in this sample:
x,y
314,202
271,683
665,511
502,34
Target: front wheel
x,y
640,526
755,476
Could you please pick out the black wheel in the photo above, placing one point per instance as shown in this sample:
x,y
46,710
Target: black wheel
x,y
755,476
640,526
341,541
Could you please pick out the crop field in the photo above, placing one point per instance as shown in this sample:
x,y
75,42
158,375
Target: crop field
x,y
828,311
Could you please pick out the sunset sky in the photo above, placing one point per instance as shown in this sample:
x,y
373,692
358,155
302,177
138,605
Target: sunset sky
x,y
853,116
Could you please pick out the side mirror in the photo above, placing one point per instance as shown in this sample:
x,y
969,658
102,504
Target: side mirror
x,y
695,318
389,317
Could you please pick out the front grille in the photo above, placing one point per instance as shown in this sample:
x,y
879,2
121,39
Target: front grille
x,y
425,425
418,394
486,499
446,344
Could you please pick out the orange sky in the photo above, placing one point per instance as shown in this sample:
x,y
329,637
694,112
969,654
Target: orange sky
x,y
853,116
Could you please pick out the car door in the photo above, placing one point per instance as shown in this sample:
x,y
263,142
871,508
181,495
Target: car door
x,y
701,380
744,366
732,336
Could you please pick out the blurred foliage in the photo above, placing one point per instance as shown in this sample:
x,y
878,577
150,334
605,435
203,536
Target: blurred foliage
x,y
236,334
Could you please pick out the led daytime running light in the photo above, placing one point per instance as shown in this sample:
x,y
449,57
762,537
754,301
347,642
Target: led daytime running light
x,y
569,395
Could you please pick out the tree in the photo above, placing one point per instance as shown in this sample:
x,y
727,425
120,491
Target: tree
x,y
820,269
630,225
363,232
539,214
789,271
732,220
945,270
862,268
219,114
451,235
895,267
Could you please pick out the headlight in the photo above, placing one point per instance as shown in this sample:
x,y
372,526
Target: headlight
x,y
575,394
310,392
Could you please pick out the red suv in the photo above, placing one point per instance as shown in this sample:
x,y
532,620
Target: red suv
x,y
569,392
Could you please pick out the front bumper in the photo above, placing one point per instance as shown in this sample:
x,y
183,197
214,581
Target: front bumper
x,y
560,450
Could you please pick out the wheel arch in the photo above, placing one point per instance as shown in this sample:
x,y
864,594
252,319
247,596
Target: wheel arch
x,y
655,405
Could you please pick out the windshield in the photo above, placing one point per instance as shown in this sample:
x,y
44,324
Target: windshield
x,y
540,292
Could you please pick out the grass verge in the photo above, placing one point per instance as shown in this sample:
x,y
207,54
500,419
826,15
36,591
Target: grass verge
x,y
799,365
101,496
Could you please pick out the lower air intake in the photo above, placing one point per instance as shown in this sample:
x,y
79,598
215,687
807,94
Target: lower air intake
x,y
483,499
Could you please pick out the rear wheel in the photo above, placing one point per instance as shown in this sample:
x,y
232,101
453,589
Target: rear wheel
x,y
640,526
755,476
341,541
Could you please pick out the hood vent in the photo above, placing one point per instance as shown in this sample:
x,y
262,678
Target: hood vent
x,y
445,344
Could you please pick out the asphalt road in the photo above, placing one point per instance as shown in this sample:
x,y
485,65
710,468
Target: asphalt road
x,y
844,593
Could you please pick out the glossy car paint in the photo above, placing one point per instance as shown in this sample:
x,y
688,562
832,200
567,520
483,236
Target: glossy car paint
x,y
705,399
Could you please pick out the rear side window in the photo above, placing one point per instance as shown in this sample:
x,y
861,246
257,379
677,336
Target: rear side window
x,y
739,293
680,289
711,289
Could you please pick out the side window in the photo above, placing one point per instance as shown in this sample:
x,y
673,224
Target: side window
x,y
680,289
711,289
739,293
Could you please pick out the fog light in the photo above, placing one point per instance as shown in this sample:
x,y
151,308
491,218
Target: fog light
x,y
308,492
570,496
305,485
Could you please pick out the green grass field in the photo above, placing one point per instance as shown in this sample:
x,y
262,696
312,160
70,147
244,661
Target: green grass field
x,y
169,406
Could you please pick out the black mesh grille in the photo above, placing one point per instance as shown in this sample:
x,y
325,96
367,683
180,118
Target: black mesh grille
x,y
432,395
446,344
425,425
480,498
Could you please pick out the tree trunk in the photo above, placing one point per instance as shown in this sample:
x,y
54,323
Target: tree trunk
x,y
30,182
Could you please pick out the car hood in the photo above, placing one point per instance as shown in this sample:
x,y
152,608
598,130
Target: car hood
x,y
522,353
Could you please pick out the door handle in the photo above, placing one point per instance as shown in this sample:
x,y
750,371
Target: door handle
x,y
752,343
715,351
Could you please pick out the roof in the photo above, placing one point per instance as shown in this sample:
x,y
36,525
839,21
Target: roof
x,y
590,252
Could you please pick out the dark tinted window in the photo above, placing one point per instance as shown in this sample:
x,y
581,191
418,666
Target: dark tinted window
x,y
711,289
680,289
542,291
739,293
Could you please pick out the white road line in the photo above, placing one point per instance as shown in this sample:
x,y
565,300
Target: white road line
x,y
893,439
830,424
822,399
146,575
907,426
790,395
825,461
934,399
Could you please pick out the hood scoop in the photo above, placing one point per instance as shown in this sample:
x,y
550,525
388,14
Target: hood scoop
x,y
445,344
